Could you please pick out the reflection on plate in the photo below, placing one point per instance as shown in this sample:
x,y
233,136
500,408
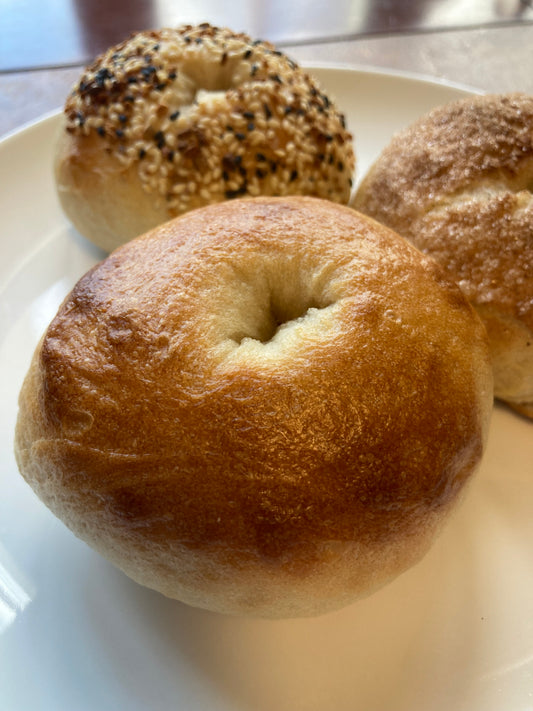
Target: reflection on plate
x,y
455,632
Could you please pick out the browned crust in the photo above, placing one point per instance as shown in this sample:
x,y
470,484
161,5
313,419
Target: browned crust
x,y
458,184
168,436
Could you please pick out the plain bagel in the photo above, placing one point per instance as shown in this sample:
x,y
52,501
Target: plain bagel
x,y
458,184
267,406
175,119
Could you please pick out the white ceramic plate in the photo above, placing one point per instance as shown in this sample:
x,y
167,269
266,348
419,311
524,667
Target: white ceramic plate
x,y
455,632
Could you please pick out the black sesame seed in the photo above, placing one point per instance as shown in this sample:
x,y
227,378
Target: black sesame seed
x,y
132,80
256,42
276,78
119,132
254,70
122,118
101,76
174,115
240,136
293,177
172,75
260,173
248,114
225,176
142,153
198,40
155,47
100,131
273,166
251,126
260,157
248,54
238,160
159,138
148,71
170,156
236,193
340,166
129,98
160,87
268,112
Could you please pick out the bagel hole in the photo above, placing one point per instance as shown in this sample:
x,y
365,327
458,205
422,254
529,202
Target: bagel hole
x,y
282,315
210,76
278,314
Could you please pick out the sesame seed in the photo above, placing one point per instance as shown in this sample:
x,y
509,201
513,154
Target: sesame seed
x,y
257,140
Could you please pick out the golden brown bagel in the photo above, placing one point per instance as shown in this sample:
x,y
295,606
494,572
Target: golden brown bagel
x,y
179,118
458,184
267,406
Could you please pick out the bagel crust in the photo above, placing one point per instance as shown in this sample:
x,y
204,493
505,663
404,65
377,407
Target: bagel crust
x,y
265,407
458,184
175,119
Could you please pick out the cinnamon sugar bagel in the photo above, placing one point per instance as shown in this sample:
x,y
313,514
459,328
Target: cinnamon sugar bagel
x,y
458,184
175,119
267,406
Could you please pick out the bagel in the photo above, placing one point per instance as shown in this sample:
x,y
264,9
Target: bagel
x,y
265,407
175,119
458,184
